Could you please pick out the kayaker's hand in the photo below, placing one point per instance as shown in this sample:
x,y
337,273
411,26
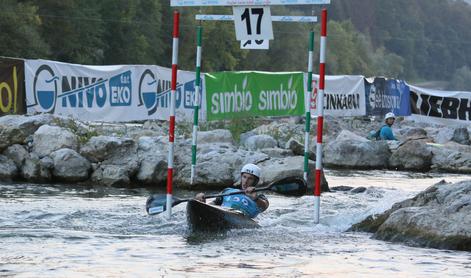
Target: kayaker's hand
x,y
249,191
200,197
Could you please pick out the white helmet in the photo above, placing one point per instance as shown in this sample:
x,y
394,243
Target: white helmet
x,y
251,169
389,115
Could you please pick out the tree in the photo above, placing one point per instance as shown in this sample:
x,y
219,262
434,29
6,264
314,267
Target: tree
x,y
461,80
19,35
132,32
73,29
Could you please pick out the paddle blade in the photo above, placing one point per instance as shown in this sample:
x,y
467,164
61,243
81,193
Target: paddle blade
x,y
290,186
156,204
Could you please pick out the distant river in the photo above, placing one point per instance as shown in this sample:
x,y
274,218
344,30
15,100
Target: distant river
x,y
71,231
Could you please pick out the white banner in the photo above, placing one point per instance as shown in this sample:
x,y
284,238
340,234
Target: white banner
x,y
107,93
344,95
440,107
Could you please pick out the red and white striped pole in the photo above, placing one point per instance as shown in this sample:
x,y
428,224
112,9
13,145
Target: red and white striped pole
x,y
171,130
320,116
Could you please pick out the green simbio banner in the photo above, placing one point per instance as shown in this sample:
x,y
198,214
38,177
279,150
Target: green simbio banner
x,y
244,94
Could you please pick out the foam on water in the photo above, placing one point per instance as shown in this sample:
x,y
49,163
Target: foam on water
x,y
56,230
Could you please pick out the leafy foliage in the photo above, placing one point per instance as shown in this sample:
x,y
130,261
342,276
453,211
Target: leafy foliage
x,y
410,39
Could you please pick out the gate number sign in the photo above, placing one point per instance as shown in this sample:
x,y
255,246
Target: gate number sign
x,y
253,23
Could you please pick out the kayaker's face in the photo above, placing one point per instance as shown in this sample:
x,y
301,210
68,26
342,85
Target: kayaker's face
x,y
247,180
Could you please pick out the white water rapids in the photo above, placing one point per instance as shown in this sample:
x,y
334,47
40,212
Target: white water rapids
x,y
74,231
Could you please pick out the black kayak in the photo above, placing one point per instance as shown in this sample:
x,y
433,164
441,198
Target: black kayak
x,y
208,218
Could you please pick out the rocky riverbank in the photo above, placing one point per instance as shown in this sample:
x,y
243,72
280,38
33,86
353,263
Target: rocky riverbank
x,y
49,149
45,148
439,217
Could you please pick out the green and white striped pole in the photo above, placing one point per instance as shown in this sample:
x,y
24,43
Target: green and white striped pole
x,y
308,105
196,103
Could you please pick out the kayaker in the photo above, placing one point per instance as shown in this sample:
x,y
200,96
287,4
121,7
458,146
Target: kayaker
x,y
250,203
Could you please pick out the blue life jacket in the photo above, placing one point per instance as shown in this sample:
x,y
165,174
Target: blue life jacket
x,y
240,202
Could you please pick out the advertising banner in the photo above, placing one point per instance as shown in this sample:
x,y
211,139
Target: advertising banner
x,y
440,107
12,93
386,95
344,95
107,93
247,94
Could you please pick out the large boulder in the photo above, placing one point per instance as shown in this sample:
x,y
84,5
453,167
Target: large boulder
x,y
218,165
295,146
111,175
152,154
412,155
458,135
461,136
17,153
15,129
8,169
70,166
451,157
215,136
98,148
51,138
278,168
117,159
281,131
438,217
37,169
353,151
415,133
262,141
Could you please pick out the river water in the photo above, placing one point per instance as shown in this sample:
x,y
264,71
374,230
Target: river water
x,y
71,231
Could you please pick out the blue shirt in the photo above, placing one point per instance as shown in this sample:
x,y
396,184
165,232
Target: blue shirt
x,y
386,133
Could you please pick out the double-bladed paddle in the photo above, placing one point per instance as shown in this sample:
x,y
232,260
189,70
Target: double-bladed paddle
x,y
290,186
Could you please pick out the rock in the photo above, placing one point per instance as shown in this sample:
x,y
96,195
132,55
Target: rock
x,y
30,168
152,171
153,125
415,132
14,129
437,217
277,152
258,142
69,166
111,175
458,135
8,169
412,155
152,154
244,136
17,153
46,165
352,151
51,138
281,131
451,157
278,168
218,165
295,146
98,148
341,188
359,189
117,157
37,170
215,136
461,136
